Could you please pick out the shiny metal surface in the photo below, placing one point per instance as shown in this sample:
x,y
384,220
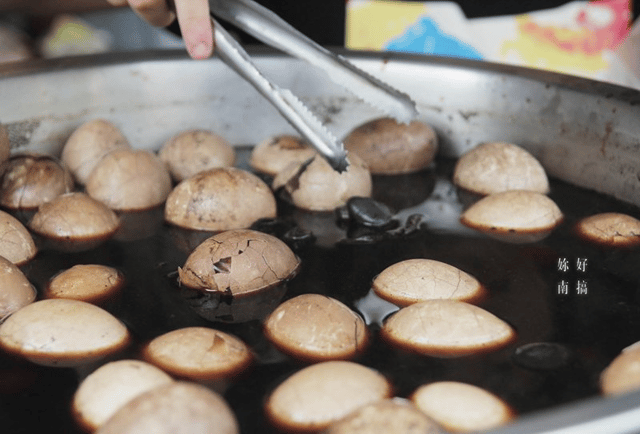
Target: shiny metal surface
x,y
584,132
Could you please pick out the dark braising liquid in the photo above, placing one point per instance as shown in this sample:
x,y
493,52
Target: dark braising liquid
x,y
580,331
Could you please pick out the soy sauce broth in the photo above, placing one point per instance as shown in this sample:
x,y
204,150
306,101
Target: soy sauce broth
x,y
597,317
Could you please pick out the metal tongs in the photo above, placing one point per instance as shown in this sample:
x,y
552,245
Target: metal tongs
x,y
267,27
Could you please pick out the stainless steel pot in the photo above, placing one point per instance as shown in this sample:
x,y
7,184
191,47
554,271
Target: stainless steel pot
x,y
584,132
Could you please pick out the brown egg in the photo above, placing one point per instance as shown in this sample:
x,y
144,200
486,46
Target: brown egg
x,y
461,407
315,328
446,328
129,180
321,394
392,148
415,280
238,263
16,243
220,199
74,221
200,354
179,407
16,291
516,216
389,416
623,373
62,333
195,151
315,186
495,167
110,387
92,283
275,153
611,229
31,180
88,144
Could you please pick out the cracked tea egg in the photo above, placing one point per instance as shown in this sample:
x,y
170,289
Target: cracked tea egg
x,y
16,291
129,180
219,199
611,229
31,180
622,375
16,243
62,333
275,153
462,407
389,147
110,387
194,151
321,394
88,144
236,267
498,166
75,221
415,280
177,407
314,327
315,186
200,354
93,283
517,216
446,328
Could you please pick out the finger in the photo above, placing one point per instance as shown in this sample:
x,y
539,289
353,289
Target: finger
x,y
155,12
195,26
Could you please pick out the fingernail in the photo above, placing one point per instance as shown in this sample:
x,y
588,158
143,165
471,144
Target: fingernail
x,y
200,51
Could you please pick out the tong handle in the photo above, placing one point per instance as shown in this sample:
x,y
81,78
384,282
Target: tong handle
x,y
232,53
266,26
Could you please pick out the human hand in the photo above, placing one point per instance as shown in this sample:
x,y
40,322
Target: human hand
x,y
193,18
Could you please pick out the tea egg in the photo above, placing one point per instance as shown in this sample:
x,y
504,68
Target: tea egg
x,y
275,153
446,328
516,216
16,291
110,387
315,327
93,283
88,144
611,229
129,180
194,151
495,167
315,186
318,395
16,243
461,407
219,199
390,148
414,280
622,375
